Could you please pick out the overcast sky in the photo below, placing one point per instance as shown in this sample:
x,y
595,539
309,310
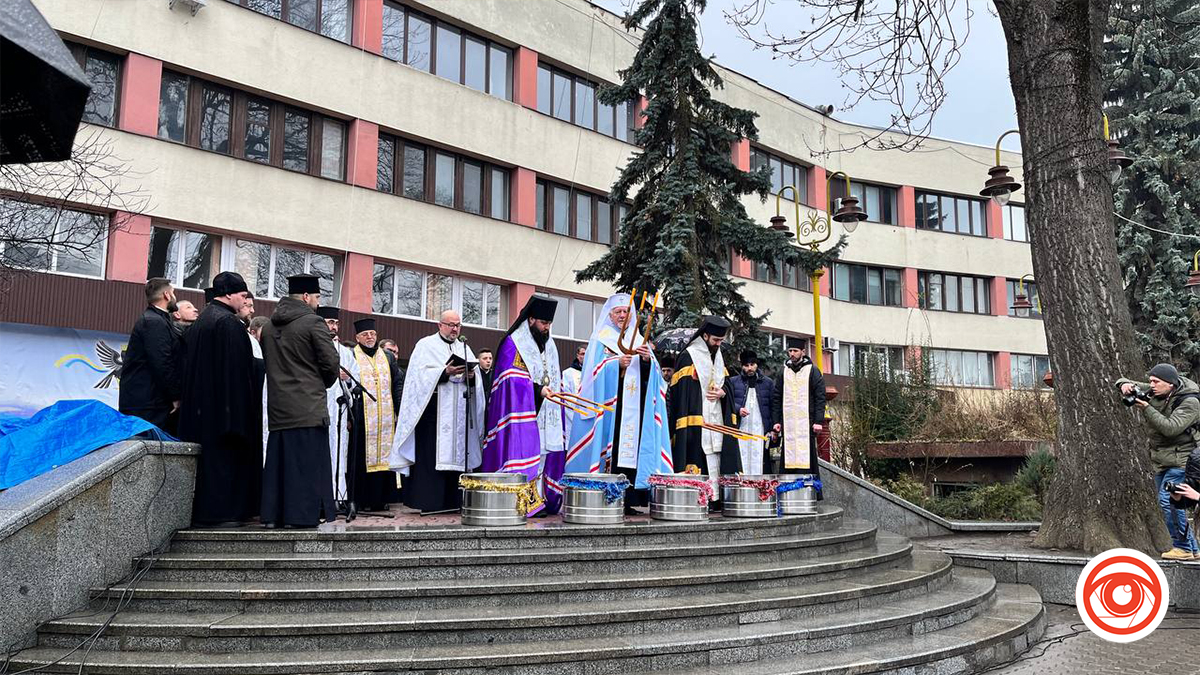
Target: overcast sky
x,y
979,104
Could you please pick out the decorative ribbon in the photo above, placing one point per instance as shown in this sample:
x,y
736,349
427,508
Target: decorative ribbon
x,y
613,490
703,487
767,487
801,481
527,497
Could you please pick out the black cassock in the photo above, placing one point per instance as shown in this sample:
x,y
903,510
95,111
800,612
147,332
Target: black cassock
x,y
816,412
426,488
685,405
221,409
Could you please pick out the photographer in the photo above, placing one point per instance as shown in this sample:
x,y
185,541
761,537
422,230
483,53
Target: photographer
x,y
1170,405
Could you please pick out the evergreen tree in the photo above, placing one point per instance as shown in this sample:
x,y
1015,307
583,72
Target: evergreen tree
x,y
687,214
1154,106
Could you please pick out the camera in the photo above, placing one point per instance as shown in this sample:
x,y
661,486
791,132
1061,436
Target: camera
x,y
1170,487
1134,396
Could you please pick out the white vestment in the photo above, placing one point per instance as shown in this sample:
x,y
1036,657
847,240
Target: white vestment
x,y
711,373
752,450
339,434
455,451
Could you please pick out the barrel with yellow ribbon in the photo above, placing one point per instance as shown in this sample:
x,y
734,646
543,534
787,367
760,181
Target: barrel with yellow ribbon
x,y
497,499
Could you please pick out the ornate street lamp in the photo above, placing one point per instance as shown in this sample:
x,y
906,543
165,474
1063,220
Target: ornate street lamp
x,y
1000,185
1117,159
1021,304
1193,280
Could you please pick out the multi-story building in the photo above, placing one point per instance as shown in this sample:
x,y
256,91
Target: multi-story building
x,y
441,154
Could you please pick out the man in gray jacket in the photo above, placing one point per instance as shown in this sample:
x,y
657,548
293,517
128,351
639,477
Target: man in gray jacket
x,y
301,365
1170,405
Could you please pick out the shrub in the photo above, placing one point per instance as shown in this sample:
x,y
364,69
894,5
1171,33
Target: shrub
x,y
1000,501
1036,472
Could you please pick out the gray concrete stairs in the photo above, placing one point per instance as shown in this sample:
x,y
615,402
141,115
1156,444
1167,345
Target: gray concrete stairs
x,y
802,594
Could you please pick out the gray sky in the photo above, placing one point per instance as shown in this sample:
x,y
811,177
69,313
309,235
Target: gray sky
x,y
979,104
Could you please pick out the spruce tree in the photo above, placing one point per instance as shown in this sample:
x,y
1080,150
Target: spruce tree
x,y
1154,107
687,215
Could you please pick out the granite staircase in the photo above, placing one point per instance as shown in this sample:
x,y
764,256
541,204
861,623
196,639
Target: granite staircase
x,y
802,594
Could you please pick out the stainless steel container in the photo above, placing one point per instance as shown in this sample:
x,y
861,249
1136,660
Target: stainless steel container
x,y
743,502
676,503
797,502
588,507
492,509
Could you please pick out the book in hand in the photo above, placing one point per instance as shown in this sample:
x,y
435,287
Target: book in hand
x,y
458,362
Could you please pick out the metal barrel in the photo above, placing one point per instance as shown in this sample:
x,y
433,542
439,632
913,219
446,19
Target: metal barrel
x,y
797,502
492,509
743,502
588,507
676,503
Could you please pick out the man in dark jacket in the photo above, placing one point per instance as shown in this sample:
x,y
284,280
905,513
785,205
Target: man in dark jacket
x,y
149,379
753,399
1171,412
798,409
221,409
301,365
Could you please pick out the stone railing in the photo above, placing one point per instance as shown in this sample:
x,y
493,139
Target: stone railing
x,y
80,525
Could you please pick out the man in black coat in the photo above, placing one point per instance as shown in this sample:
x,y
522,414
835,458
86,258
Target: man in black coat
x,y
149,379
302,364
798,409
753,399
221,409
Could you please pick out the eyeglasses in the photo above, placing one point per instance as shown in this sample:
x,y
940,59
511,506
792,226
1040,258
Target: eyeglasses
x,y
451,325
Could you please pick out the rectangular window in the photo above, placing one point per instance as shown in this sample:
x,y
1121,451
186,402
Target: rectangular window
x,y
561,210
962,368
332,18
443,179
950,301
272,8
266,267
624,121
541,205
605,119
603,221
404,292
543,89
386,174
333,149
295,140
948,213
499,195
500,72
1027,371
258,130
475,63
1031,292
472,302
783,173
103,70
302,13
867,285
418,44
414,171
576,213
472,201
439,295
877,201
252,260
216,109
1014,222
561,97
188,259
585,105
335,20
383,282
851,358
172,107
52,239
574,99
583,216
393,31
448,63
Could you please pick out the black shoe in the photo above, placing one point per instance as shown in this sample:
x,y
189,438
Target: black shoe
x,y
630,511
269,526
714,507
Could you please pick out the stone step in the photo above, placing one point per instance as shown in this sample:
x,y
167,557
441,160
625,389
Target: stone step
x,y
811,646
540,534
926,584
424,594
506,563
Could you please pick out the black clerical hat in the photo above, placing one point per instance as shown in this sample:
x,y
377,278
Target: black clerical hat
x,y
364,325
228,283
208,295
329,313
538,307
749,357
714,325
304,283
796,342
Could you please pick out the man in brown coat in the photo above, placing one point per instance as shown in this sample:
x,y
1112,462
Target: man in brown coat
x,y
301,365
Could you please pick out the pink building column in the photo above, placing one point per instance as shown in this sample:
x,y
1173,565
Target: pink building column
x,y
911,298
367,31
995,220
1003,365
740,154
357,280
362,156
639,120
906,206
518,295
141,80
825,286
524,197
525,64
999,296
128,248
816,188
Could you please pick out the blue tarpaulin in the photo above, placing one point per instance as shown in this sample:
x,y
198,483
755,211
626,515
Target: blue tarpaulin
x,y
61,433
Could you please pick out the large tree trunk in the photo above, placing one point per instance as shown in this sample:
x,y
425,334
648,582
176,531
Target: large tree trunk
x,y
1102,495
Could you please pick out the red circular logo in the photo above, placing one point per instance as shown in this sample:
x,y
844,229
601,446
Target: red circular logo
x,y
1122,595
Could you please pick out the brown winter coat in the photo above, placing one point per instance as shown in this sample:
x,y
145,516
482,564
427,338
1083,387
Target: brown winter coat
x,y
301,365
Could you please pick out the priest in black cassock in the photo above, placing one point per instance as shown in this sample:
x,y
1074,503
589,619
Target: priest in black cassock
x,y
700,393
221,409
439,427
302,364
798,408
373,485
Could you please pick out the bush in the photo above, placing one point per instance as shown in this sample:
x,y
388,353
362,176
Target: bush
x,y
1036,472
1000,501
908,488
